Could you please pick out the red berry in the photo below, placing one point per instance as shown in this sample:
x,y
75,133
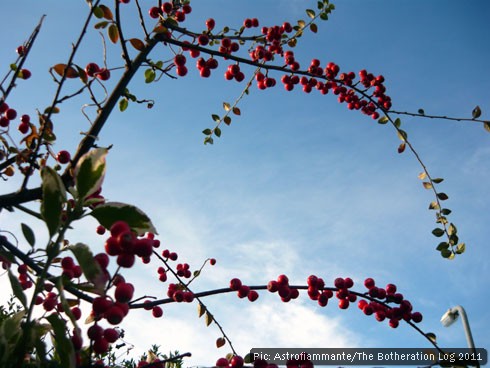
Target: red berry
x,y
187,9
100,346
339,283
77,313
369,283
111,334
235,284
124,292
173,256
222,362
212,261
154,12
25,73
236,362
92,69
67,263
210,23
203,39
125,260
416,317
282,280
21,50
393,323
63,157
344,303
100,230
252,295
104,74
100,305
4,122
95,332
114,315
273,286
243,291
10,114
167,7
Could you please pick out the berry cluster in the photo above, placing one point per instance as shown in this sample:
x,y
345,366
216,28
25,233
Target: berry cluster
x,y
281,286
235,362
124,244
381,311
23,277
94,71
70,269
100,338
179,295
243,291
172,10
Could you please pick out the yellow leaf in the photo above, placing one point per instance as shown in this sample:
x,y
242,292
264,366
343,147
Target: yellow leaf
x,y
61,69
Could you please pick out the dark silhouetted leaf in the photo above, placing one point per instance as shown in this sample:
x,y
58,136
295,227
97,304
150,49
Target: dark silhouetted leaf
x,y
217,132
236,111
227,120
313,28
437,232
28,234
17,289
64,347
401,147
476,113
421,112
442,196
220,341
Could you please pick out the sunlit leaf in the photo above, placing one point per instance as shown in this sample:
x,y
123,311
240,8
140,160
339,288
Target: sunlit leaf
x,y
123,104
402,135
90,172
433,206
310,13
226,106
486,125
460,248
201,309
110,212
383,120
61,69
301,23
54,196
452,229
208,318
422,175
427,185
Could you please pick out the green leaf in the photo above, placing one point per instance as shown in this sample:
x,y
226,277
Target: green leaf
x,y
113,33
402,134
437,232
437,180
98,12
63,345
324,16
207,131
383,120
101,25
310,13
150,75
91,269
442,196
476,113
460,248
123,104
90,172
54,196
398,123
28,234
17,289
216,118
208,140
110,212
217,132
107,13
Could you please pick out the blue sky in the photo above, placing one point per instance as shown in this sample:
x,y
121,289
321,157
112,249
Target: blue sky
x,y
298,184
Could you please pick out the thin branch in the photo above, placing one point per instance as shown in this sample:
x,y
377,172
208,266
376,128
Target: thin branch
x,y
122,41
443,117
